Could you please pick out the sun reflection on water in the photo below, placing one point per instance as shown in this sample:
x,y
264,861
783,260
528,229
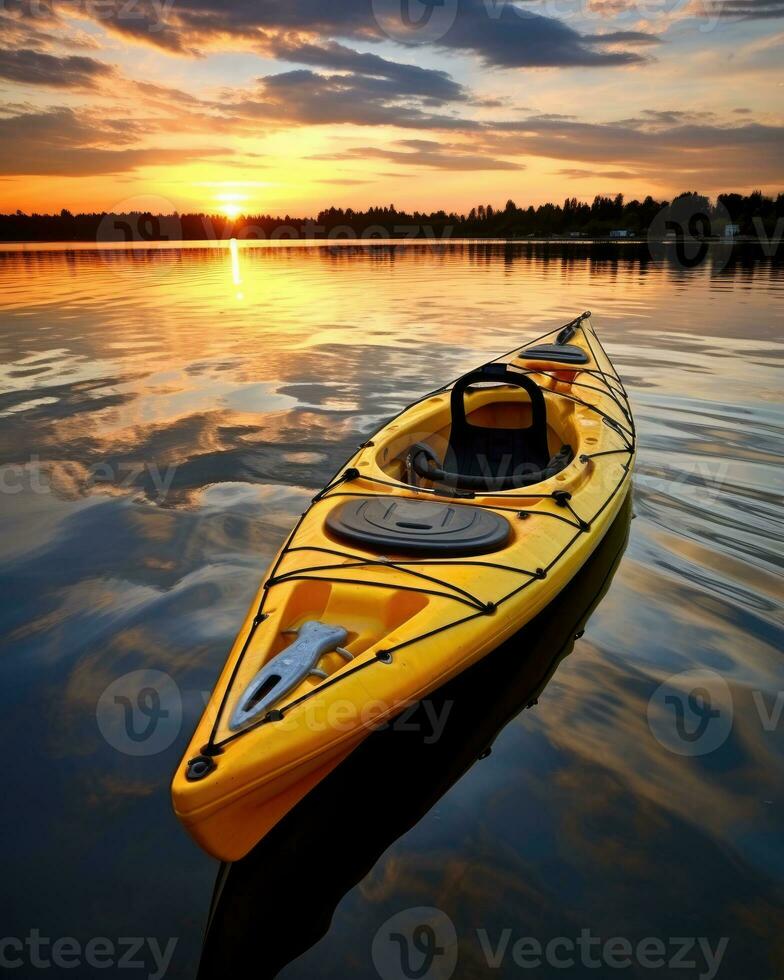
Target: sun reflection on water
x,y
236,275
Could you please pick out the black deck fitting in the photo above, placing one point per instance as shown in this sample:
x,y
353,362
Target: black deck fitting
x,y
199,767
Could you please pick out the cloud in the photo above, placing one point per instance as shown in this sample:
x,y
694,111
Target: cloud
x,y
748,9
436,86
37,26
428,153
20,31
518,38
574,173
28,67
362,89
671,117
623,37
304,97
502,34
347,181
62,142
170,98
682,151
151,22
325,82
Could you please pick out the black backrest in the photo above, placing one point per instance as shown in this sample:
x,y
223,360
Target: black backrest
x,y
464,434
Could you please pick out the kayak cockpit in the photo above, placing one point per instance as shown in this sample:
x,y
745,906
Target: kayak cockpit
x,y
493,431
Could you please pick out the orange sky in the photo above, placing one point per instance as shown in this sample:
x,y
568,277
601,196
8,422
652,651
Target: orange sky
x,y
290,105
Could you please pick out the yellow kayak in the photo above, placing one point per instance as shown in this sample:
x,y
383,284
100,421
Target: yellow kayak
x,y
451,528
404,770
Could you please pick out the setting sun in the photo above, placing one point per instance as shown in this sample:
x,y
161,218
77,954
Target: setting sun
x,y
230,204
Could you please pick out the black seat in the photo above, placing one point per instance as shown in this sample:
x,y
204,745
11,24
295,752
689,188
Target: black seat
x,y
484,458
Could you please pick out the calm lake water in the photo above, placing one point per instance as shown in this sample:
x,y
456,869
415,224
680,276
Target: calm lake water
x,y
164,417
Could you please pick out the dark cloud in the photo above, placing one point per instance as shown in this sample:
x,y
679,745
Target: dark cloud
x,y
304,97
152,22
680,145
27,67
695,150
623,37
517,38
503,34
61,142
671,117
748,9
365,89
436,86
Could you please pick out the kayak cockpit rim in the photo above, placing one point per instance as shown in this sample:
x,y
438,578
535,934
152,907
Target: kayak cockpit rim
x,y
573,418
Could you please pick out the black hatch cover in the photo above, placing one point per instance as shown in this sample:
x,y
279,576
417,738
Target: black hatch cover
x,y
563,353
418,527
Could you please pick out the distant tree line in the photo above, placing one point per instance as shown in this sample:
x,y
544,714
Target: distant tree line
x,y
751,215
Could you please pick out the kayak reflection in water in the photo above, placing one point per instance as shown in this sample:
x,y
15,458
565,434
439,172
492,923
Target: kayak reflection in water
x,y
265,912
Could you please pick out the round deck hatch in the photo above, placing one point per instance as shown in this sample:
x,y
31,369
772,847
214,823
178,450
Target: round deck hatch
x,y
418,527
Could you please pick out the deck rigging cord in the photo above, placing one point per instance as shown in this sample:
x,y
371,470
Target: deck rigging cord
x,y
479,607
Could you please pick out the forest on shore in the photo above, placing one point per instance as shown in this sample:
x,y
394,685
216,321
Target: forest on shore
x,y
689,214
